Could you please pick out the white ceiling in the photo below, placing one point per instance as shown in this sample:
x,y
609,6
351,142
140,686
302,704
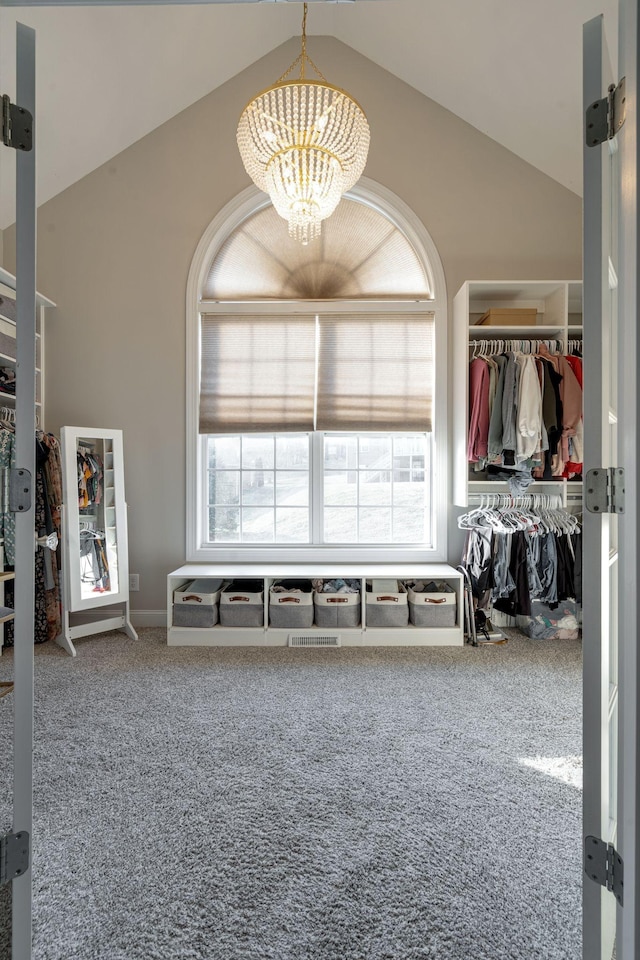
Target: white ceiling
x,y
107,75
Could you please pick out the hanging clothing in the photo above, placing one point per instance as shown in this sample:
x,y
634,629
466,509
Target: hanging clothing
x,y
47,561
479,411
94,565
525,415
8,522
515,555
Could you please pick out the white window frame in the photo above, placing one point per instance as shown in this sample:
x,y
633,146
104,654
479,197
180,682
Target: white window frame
x,y
316,504
243,206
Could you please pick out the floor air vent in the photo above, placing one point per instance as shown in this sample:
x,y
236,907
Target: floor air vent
x,y
314,640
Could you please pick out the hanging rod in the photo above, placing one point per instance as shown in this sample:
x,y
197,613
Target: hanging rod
x,y
486,348
552,501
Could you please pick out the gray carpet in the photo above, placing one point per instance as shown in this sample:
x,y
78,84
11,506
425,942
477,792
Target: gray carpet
x,y
274,804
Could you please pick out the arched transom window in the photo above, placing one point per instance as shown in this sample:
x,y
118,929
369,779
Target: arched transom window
x,y
313,400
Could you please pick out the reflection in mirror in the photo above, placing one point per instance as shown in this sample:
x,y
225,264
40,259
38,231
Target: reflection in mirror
x,y
96,517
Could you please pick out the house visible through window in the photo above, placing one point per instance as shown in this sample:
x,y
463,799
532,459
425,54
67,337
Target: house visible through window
x,y
371,489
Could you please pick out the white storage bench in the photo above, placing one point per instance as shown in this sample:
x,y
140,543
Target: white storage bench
x,y
319,618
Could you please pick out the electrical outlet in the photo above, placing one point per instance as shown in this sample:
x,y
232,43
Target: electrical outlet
x,y
134,581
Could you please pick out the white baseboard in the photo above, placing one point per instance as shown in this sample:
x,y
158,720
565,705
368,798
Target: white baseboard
x,y
139,618
148,618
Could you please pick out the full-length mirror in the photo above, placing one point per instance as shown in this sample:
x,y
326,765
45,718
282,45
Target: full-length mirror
x,y
95,531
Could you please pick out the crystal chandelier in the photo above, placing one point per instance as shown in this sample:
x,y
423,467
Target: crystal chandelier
x,y
305,143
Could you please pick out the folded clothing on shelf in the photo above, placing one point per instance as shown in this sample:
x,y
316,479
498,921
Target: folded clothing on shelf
x,y
432,586
337,585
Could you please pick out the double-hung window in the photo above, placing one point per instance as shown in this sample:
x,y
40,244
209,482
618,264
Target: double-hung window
x,y
316,425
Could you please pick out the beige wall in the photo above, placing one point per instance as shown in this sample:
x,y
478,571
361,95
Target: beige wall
x,y
114,252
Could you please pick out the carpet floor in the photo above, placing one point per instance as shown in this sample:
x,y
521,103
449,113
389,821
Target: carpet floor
x,y
277,804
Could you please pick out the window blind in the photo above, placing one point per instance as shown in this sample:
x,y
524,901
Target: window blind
x,y
257,373
371,372
375,372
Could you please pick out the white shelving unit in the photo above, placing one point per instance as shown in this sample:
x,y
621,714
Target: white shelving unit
x,y
363,635
8,351
558,305
8,340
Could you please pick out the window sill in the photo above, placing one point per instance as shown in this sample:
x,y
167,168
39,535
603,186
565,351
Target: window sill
x,y
383,553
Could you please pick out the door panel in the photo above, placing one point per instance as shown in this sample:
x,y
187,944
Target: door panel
x,y
610,542
23,658
628,944
600,642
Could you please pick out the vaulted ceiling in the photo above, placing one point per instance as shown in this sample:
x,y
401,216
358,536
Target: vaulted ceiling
x,y
109,74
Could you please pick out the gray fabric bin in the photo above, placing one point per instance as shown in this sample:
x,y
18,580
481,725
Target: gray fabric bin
x,y
196,603
432,610
336,609
386,607
242,604
433,605
189,615
292,606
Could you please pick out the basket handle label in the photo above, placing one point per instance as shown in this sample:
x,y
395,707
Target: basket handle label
x,y
192,596
395,599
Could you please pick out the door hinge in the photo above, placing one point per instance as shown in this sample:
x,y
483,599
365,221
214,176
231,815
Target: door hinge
x,y
604,490
603,863
19,490
17,126
606,116
14,856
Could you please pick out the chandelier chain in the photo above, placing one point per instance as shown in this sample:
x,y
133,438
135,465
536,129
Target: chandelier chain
x,y
303,57
304,40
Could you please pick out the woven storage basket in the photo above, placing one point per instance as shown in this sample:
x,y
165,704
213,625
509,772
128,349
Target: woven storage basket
x,y
433,608
336,609
386,604
242,604
196,603
291,606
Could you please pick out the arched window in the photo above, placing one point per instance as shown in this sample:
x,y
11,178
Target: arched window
x,y
316,386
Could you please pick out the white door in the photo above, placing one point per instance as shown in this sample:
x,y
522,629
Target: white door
x,y
16,894
609,609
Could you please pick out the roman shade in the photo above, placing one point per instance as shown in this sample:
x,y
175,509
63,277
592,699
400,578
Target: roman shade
x,y
361,254
257,373
375,372
350,371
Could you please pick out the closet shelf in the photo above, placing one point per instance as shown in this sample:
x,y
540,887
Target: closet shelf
x,y
539,332
6,687
505,483
6,613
